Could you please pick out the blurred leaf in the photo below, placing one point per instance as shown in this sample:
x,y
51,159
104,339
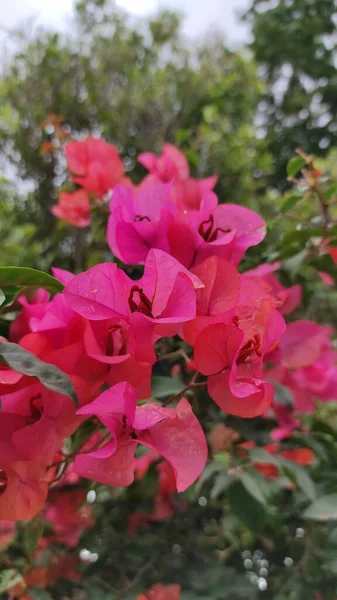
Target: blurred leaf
x,y
290,202
8,579
322,509
244,505
32,532
2,297
282,394
255,485
210,469
221,483
27,363
301,477
166,386
294,165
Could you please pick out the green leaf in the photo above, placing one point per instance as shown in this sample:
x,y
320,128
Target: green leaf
x,y
221,483
27,363
282,394
24,277
301,477
2,297
32,532
210,469
9,578
290,202
40,594
248,510
322,509
255,485
294,165
165,386
295,472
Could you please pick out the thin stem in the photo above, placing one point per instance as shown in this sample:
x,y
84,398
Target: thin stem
x,y
192,384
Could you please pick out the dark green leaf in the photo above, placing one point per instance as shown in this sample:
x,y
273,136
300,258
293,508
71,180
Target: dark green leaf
x,y
248,510
301,477
27,363
322,509
32,532
255,485
24,277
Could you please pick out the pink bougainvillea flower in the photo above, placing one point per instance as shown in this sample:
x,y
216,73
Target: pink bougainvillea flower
x,y
326,278
62,275
161,300
95,165
139,221
332,250
302,343
285,421
219,295
289,298
23,489
225,230
172,167
188,195
162,592
74,208
42,420
36,306
234,370
69,514
306,364
230,352
174,433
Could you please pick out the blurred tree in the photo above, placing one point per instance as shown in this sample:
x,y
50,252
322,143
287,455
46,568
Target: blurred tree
x,y
137,83
295,45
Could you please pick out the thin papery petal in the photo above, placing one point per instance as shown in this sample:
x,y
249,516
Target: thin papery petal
x,y
26,490
113,404
136,373
181,441
115,471
248,406
222,286
99,293
302,343
216,348
149,414
160,274
178,159
62,275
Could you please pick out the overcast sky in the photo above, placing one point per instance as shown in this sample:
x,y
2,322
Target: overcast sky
x,y
201,15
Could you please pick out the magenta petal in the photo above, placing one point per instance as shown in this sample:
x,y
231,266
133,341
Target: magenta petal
x,y
116,470
113,404
247,407
149,414
99,293
181,441
216,348
222,286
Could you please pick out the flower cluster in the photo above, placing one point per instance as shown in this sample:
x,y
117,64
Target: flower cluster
x,y
105,332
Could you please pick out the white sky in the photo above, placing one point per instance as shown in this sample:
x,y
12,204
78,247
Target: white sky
x,y
201,15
